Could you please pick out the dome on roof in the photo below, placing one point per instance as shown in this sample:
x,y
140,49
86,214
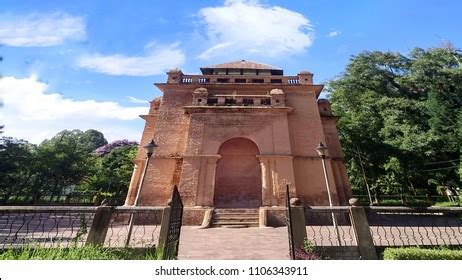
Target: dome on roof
x,y
242,64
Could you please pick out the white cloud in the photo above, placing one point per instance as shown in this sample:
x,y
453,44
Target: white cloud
x,y
243,26
155,62
334,33
31,113
40,30
136,100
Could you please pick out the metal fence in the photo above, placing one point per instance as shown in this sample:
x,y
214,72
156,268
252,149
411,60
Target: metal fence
x,y
146,227
44,226
56,226
345,232
74,199
402,226
290,233
329,226
172,241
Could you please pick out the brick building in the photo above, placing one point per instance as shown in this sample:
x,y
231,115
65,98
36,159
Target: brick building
x,y
234,136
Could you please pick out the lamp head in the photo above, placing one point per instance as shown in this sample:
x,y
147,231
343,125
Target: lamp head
x,y
150,148
321,149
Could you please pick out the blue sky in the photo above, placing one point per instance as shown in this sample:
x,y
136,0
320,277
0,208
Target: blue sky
x,y
91,64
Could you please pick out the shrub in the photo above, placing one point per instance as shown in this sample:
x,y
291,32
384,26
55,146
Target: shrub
x,y
415,253
307,252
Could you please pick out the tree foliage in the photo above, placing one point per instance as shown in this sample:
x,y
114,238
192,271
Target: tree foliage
x,y
399,116
64,163
113,168
15,173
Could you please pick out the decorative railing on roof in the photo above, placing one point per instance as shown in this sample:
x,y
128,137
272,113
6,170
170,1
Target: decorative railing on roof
x,y
239,79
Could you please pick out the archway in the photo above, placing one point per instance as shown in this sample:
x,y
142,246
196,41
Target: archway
x,y
238,175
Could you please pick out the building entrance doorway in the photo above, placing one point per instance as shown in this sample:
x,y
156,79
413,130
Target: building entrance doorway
x,y
238,175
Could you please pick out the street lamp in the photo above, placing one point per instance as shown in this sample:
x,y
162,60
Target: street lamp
x,y
322,152
149,151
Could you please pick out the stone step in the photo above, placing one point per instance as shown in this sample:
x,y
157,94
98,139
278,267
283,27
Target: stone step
x,y
236,219
227,223
255,219
236,210
234,226
224,215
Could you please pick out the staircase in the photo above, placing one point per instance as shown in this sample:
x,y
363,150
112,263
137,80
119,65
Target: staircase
x,y
235,217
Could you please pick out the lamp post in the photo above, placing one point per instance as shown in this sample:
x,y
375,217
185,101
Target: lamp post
x,y
149,151
322,151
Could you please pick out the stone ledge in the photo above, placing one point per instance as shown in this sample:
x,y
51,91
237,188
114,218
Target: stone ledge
x,y
240,109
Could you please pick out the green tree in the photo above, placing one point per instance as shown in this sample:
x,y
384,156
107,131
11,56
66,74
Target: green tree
x,y
92,139
398,117
15,168
64,161
68,160
113,169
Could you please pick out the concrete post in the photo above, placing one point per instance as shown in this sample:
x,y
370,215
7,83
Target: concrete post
x,y
298,225
99,226
263,217
363,235
207,221
164,230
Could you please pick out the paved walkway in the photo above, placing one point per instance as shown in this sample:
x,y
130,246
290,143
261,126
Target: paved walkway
x,y
233,243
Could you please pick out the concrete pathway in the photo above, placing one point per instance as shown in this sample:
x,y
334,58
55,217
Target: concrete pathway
x,y
233,243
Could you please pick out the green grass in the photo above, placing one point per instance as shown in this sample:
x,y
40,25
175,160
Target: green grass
x,y
447,204
415,253
79,253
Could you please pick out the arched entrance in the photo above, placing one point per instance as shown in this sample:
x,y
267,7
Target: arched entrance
x,y
238,175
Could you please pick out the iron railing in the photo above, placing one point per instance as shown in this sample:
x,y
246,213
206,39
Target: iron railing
x,y
321,230
44,226
289,225
403,226
52,226
146,227
174,226
55,226
212,79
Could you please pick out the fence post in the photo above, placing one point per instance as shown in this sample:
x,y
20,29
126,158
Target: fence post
x,y
164,224
363,235
298,223
100,225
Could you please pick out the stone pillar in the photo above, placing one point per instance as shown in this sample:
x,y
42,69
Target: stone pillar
x,y
206,181
211,169
99,226
267,182
363,235
163,234
305,78
175,76
298,223
134,182
277,171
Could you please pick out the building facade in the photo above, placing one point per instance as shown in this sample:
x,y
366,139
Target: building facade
x,y
235,136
